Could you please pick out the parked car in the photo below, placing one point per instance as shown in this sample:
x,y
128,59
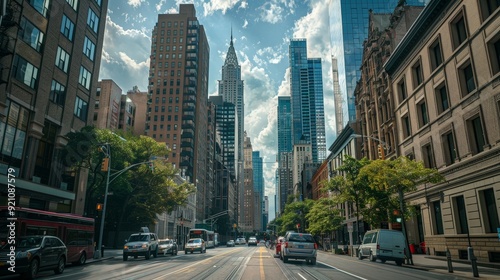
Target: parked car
x,y
195,244
383,244
33,254
141,244
299,246
240,241
167,246
230,243
252,241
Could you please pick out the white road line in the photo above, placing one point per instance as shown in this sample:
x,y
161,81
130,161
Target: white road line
x,y
302,276
343,271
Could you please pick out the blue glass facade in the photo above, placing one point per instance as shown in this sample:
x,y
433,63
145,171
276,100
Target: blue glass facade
x,y
284,124
348,30
306,92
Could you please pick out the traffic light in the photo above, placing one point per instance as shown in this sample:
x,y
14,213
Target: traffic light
x,y
99,206
381,153
105,164
298,226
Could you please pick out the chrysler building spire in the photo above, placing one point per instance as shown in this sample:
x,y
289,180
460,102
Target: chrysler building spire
x,y
231,58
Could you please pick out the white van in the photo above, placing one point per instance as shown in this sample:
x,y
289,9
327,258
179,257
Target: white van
x,y
383,244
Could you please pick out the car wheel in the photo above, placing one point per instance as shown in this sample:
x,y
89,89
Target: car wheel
x,y
174,252
285,259
60,266
399,262
155,253
383,261
32,270
313,261
83,259
185,252
125,257
372,257
360,256
148,254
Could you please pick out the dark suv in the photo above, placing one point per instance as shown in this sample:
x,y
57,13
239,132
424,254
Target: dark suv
x,y
35,253
299,246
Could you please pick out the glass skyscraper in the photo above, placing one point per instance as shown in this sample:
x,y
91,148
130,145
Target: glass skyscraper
x,y
348,30
306,91
284,124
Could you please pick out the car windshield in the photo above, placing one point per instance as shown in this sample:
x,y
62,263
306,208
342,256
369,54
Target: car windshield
x,y
194,241
164,242
299,237
29,242
139,237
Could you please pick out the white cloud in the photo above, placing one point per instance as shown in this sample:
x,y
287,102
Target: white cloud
x,y
160,4
222,5
135,3
284,89
244,5
245,24
275,11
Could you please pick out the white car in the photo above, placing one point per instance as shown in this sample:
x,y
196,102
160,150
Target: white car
x,y
240,241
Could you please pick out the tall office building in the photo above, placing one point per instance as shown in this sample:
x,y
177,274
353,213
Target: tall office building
x,y
249,202
258,184
284,172
231,90
347,43
178,90
284,124
306,88
140,99
49,67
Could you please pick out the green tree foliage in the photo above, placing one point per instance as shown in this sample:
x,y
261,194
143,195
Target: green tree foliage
x,y
294,213
323,217
139,193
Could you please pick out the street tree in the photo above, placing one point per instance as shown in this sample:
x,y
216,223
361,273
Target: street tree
x,y
323,217
294,214
349,187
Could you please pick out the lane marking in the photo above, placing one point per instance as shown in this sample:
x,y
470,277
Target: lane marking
x,y
302,276
343,271
261,265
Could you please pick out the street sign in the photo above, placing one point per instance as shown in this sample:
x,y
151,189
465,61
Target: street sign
x,y
349,227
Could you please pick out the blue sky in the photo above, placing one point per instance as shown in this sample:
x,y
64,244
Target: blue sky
x,y
261,32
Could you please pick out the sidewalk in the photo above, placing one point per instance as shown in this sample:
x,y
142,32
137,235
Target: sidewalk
x,y
461,268
108,254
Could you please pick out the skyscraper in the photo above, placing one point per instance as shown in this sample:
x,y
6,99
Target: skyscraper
x,y
347,43
50,57
178,89
258,184
284,173
284,124
306,91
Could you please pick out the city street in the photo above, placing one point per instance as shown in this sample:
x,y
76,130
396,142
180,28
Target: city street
x,y
242,262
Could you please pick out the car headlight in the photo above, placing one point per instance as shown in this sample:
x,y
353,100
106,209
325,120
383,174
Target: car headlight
x,y
144,245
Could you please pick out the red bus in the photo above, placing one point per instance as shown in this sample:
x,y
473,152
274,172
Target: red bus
x,y
75,231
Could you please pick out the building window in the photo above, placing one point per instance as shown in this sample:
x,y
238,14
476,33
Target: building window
x,y
25,72
476,134
438,218
85,77
417,74
423,118
460,215
93,21
458,31
428,156
42,6
45,152
98,2
13,133
442,98
67,28
488,7
81,109
436,55
73,4
402,90
466,76
449,149
62,59
31,35
405,122
494,54
489,210
57,93
89,48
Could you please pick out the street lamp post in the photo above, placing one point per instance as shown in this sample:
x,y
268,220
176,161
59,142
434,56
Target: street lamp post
x,y
103,217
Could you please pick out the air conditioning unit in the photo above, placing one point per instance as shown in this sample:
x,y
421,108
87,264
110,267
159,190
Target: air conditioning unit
x,y
64,186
